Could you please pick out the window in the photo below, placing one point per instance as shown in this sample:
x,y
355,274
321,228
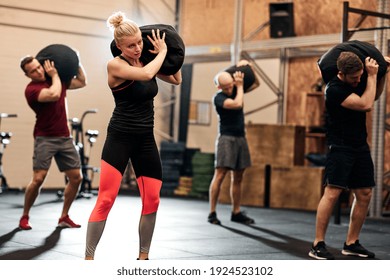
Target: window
x,y
200,112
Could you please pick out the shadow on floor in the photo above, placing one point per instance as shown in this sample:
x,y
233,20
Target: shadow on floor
x,y
287,244
28,254
37,204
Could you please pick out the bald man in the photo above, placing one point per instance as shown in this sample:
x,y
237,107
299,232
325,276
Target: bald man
x,y
232,152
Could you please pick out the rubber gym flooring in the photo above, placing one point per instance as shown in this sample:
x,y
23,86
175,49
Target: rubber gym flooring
x,y
182,232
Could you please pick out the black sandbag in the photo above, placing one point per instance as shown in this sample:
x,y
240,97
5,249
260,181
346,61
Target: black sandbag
x,y
114,49
328,61
66,60
249,74
176,49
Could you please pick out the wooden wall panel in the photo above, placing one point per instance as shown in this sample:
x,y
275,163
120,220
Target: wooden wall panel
x,y
276,144
297,187
325,16
207,22
302,74
252,192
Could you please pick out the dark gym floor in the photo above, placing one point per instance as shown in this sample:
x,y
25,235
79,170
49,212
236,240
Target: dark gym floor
x,y
182,232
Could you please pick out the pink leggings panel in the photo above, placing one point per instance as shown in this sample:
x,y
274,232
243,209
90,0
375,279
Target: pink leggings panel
x,y
110,181
149,189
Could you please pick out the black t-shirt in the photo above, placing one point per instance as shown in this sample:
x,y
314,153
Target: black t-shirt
x,y
231,122
344,126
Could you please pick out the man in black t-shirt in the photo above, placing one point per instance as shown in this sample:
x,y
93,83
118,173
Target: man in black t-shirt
x,y
232,152
348,97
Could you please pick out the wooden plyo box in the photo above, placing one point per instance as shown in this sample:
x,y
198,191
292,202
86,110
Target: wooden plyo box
x,y
296,187
276,144
252,192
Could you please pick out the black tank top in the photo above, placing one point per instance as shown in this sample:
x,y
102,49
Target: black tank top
x,y
134,109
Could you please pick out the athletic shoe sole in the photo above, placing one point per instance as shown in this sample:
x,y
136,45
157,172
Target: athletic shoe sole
x,y
316,257
66,225
25,228
350,253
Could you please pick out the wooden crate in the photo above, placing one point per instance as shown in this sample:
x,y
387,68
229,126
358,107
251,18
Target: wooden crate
x,y
296,187
276,144
252,192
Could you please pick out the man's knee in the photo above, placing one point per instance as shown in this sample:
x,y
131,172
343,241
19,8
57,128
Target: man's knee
x,y
363,195
77,180
37,182
74,177
38,179
220,174
332,193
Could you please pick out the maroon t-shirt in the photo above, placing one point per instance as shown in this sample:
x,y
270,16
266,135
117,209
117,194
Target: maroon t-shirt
x,y
51,117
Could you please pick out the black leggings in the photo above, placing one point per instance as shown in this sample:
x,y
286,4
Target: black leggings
x,y
118,148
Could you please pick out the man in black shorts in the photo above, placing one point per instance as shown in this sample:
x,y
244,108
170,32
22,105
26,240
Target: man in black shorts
x,y
349,164
232,152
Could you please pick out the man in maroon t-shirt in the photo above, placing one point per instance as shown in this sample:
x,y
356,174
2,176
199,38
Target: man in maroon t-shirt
x,y
47,98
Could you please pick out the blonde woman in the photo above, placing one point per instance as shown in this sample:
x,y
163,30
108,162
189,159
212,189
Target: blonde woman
x,y
130,130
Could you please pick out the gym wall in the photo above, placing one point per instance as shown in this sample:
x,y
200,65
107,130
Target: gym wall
x,y
28,26
208,22
310,18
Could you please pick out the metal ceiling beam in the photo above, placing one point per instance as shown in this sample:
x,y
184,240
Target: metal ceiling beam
x,y
270,47
237,38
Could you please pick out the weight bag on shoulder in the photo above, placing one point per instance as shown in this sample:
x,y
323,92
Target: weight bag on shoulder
x,y
328,61
249,75
176,49
66,60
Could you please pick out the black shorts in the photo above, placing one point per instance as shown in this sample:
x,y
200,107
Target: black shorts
x,y
349,168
